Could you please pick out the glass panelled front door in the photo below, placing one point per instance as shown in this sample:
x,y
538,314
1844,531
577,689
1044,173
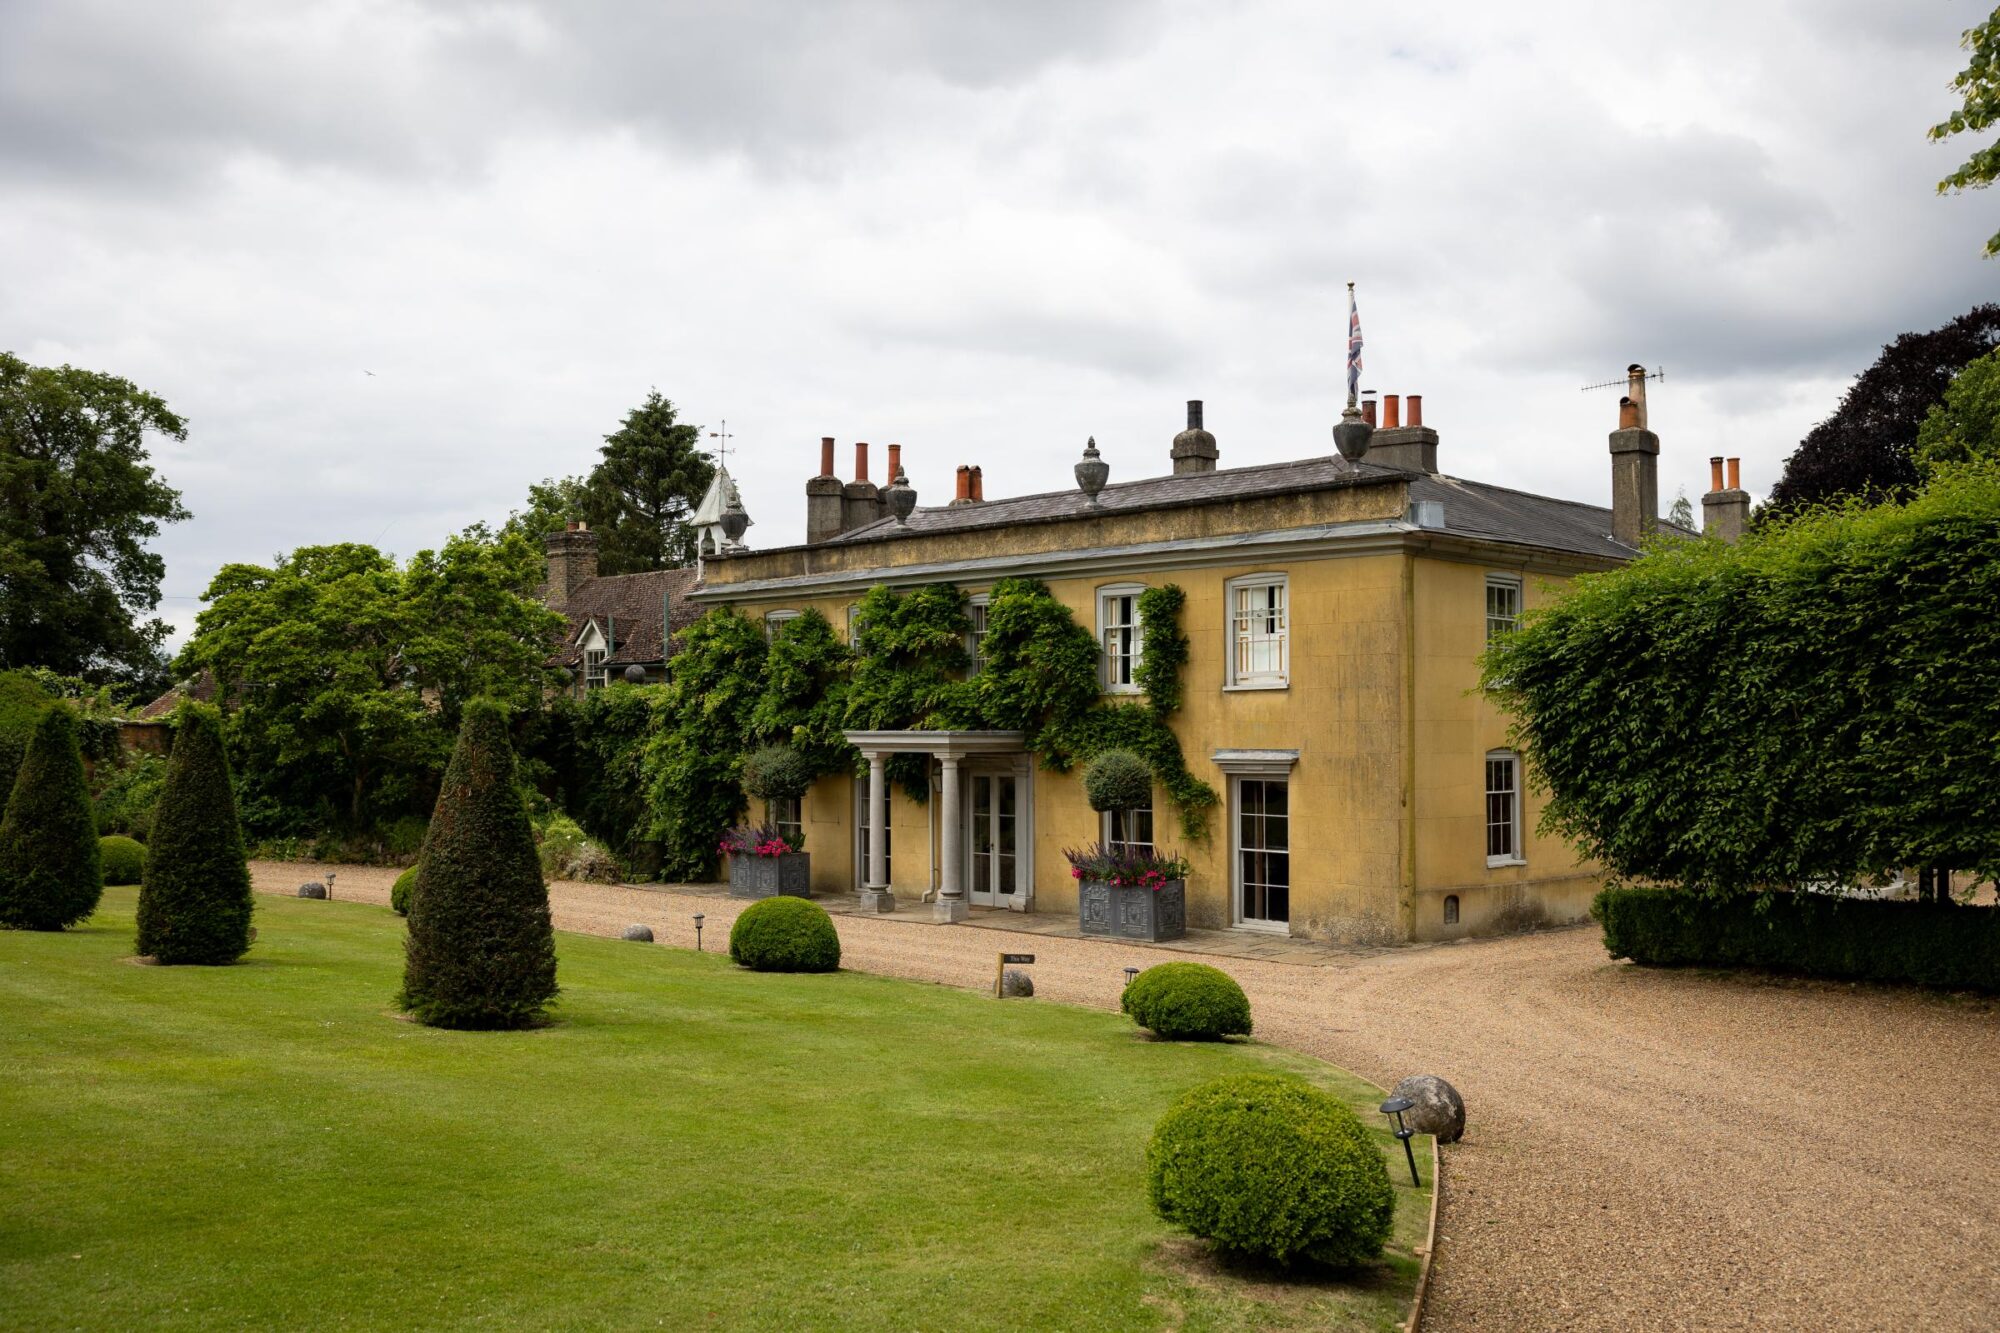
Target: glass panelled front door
x,y
992,824
1263,852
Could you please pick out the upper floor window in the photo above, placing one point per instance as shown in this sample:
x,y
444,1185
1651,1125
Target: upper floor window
x,y
775,621
975,634
1259,631
854,624
1118,634
594,673
1503,808
1503,605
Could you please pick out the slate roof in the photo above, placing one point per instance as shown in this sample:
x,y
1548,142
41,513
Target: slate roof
x,y
629,605
199,687
1472,509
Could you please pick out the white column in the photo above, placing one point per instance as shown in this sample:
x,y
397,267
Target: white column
x,y
876,896
951,887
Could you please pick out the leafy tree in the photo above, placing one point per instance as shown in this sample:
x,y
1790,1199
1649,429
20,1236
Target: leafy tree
x,y
640,497
552,503
347,674
1966,425
50,876
1979,84
78,501
1866,448
1682,510
194,898
480,952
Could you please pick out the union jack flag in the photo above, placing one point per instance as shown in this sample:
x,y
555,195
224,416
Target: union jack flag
x,y
1353,346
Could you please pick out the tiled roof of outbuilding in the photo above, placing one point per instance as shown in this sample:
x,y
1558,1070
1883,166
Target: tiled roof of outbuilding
x,y
630,606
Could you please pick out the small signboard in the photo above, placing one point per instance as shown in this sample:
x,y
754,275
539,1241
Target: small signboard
x,y
1000,972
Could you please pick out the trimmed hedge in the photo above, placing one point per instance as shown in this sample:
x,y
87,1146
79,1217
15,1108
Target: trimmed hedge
x,y
123,858
1270,1167
194,898
785,935
1813,934
49,875
480,952
1187,1002
400,891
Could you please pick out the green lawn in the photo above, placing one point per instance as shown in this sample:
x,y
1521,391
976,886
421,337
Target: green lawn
x,y
690,1146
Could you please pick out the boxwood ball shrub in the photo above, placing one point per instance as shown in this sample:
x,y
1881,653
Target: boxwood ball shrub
x,y
400,891
1270,1167
1187,1002
480,952
785,935
194,897
123,858
49,875
1118,780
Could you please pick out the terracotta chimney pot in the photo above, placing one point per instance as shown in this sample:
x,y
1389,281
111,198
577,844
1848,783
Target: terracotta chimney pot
x,y
1368,410
895,462
1416,409
978,483
1715,473
826,455
1735,474
860,460
1628,414
1392,411
964,482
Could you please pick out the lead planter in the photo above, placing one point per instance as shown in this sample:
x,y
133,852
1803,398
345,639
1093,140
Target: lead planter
x,y
1132,913
769,876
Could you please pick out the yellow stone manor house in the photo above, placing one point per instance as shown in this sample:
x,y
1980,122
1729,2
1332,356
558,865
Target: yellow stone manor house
x,y
1335,611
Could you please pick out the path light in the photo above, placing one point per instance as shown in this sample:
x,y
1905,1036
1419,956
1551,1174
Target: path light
x,y
329,886
1130,972
1395,1107
697,931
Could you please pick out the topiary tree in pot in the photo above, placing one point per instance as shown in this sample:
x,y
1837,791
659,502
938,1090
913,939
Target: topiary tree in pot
x,y
1269,1166
50,876
1118,780
194,898
762,860
480,951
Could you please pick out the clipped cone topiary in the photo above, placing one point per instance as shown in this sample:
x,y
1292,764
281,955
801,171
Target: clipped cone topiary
x,y
194,897
480,952
49,871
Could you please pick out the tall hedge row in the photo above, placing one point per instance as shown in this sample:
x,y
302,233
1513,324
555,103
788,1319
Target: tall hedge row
x,y
1818,934
1817,703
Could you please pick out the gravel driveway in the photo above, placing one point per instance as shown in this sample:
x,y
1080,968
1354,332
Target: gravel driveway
x,y
1645,1150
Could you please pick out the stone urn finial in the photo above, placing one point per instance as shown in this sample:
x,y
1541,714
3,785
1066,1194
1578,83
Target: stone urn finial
x,y
1092,472
902,498
735,519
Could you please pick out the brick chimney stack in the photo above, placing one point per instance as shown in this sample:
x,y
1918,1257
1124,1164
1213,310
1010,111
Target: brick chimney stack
x,y
824,497
1194,448
572,557
1725,510
861,498
1412,447
1635,466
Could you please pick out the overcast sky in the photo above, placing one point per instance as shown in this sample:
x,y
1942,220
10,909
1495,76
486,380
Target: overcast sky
x,y
985,232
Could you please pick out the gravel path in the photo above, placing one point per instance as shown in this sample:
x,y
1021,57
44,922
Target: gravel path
x,y
1646,1149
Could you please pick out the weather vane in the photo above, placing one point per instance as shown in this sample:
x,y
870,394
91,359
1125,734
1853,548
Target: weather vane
x,y
722,449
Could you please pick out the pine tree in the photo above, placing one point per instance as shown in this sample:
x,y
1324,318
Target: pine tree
x,y
480,952
194,900
49,872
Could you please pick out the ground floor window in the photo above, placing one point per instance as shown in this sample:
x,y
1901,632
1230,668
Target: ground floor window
x,y
787,815
1263,851
1129,830
1503,808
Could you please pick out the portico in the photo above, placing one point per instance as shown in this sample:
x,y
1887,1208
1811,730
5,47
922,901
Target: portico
x,y
990,836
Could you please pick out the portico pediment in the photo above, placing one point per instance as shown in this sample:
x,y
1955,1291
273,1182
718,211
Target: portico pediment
x,y
945,744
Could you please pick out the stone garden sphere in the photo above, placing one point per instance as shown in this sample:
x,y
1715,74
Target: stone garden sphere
x,y
635,674
1016,984
1439,1109
312,888
644,934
